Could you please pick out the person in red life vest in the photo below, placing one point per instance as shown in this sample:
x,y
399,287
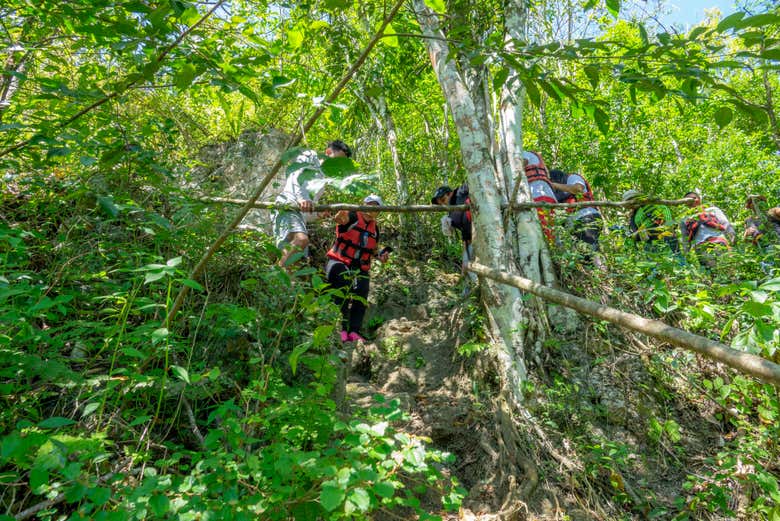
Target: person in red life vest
x,y
585,223
349,263
541,190
706,231
457,219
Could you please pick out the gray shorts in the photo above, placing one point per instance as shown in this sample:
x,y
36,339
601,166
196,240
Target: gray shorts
x,y
286,223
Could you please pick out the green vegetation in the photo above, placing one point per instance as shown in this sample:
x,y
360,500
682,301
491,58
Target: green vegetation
x,y
229,411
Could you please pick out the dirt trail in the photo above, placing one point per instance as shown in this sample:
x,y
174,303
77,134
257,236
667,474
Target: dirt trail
x,y
414,357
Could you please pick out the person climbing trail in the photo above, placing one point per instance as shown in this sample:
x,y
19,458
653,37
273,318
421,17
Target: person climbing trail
x,y
706,232
585,223
541,190
349,264
652,226
303,187
457,219
762,228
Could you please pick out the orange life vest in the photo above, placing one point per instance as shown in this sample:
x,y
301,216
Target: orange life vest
x,y
357,244
537,172
708,219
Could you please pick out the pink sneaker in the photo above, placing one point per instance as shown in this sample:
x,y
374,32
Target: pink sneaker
x,y
354,337
344,336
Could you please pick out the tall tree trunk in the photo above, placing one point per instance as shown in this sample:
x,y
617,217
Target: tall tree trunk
x,y
492,245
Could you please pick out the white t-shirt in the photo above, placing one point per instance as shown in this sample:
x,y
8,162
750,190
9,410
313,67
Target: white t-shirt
x,y
541,189
306,183
575,179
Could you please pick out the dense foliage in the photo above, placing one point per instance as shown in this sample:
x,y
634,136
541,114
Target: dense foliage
x,y
109,412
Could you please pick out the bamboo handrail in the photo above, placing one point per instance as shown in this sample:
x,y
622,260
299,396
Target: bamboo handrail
x,y
267,205
745,362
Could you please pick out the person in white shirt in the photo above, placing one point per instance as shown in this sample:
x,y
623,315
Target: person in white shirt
x,y
303,188
706,231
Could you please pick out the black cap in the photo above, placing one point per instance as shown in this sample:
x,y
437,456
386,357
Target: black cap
x,y
441,191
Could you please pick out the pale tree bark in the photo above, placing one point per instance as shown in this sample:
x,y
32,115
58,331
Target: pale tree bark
x,y
535,262
492,246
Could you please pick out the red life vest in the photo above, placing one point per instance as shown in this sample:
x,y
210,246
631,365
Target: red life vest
x,y
537,172
708,219
357,244
587,195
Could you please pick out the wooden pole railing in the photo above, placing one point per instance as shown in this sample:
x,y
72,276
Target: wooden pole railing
x,y
747,363
440,208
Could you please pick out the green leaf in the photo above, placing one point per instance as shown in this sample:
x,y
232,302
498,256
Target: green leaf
x,y
389,37
159,503
159,334
321,335
152,276
181,373
175,261
90,408
613,6
338,167
602,120
99,495
771,285
360,498
184,76
437,5
331,496
729,22
499,78
771,54
106,203
55,422
192,284
38,477
296,354
723,116
384,489
294,38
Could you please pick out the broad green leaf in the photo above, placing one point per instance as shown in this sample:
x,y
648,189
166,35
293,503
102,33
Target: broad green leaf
x,y
360,498
613,6
756,309
499,78
184,76
99,495
759,20
181,373
383,489
331,496
192,284
90,408
338,167
159,334
771,285
296,354
55,422
294,38
602,120
437,5
38,477
159,503
108,206
321,335
175,261
389,38
152,276
730,21
723,116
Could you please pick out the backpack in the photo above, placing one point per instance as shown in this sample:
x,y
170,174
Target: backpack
x,y
708,219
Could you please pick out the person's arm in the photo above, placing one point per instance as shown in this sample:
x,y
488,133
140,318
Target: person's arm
x,y
731,234
574,189
341,217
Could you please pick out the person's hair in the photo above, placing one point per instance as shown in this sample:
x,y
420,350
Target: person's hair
x,y
338,144
692,193
559,176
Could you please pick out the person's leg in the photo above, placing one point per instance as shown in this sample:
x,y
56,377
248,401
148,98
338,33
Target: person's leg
x,y
296,242
290,233
358,309
338,276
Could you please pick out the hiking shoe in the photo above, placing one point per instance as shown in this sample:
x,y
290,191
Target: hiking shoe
x,y
345,337
354,337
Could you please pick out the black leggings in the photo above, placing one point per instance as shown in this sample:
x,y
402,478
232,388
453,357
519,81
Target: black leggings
x,y
357,282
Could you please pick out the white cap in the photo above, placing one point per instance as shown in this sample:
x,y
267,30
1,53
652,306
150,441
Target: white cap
x,y
630,194
373,198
